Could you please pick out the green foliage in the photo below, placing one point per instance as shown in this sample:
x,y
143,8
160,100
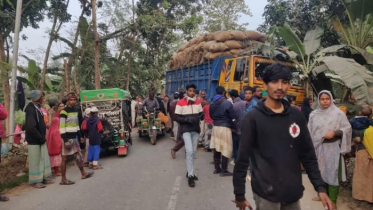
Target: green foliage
x,y
19,117
223,15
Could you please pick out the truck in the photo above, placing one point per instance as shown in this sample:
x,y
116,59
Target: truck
x,y
232,73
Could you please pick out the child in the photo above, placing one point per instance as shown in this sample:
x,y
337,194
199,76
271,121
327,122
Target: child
x,y
361,122
93,126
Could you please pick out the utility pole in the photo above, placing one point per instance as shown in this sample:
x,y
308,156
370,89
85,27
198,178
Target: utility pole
x,y
17,29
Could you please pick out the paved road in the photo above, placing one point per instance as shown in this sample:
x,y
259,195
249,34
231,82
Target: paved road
x,y
146,179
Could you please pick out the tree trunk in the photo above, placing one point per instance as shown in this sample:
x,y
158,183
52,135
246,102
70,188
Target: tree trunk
x,y
73,50
45,65
5,80
129,70
97,46
67,75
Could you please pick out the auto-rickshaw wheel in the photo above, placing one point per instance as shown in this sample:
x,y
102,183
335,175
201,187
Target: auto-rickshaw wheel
x,y
153,137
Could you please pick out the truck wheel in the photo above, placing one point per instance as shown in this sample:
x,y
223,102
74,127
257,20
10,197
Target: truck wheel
x,y
153,137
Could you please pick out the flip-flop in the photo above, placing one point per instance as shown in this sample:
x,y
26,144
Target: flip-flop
x,y
97,167
67,182
88,175
47,181
38,185
4,198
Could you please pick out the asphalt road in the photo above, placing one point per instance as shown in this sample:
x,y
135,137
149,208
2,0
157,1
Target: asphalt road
x,y
146,179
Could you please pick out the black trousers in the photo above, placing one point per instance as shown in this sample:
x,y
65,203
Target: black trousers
x,y
220,159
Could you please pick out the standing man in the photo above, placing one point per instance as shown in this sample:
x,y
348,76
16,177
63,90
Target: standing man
x,y
3,116
201,141
70,133
250,101
39,165
87,115
171,111
189,113
276,139
133,110
221,112
238,107
257,93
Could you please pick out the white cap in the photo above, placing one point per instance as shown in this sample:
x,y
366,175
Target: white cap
x,y
87,111
94,109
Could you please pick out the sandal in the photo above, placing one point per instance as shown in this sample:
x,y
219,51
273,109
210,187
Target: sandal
x,y
48,181
67,182
4,198
38,185
98,167
88,175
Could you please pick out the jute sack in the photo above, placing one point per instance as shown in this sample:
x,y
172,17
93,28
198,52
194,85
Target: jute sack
x,y
253,35
263,39
237,35
207,37
182,47
213,46
199,47
190,49
212,56
236,52
221,36
232,44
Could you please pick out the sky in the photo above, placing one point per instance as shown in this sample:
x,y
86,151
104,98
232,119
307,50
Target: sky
x,y
38,38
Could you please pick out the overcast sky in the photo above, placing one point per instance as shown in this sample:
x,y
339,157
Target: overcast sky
x,y
38,38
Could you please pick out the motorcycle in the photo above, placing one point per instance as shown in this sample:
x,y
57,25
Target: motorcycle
x,y
150,125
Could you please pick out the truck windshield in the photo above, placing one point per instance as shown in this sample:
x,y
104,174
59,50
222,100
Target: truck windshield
x,y
261,63
240,67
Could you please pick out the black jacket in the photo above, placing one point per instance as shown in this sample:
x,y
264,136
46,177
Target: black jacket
x,y
276,143
222,113
34,126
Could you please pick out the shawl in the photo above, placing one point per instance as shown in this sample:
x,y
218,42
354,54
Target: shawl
x,y
328,154
54,141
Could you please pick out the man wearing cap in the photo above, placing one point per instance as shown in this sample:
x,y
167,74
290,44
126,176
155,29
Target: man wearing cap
x,y
70,133
39,165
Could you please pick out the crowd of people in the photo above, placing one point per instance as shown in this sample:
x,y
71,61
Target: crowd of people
x,y
270,140
275,140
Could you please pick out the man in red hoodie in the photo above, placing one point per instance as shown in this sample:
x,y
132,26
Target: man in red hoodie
x,y
3,116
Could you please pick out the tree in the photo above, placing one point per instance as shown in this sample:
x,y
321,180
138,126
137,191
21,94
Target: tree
x,y
97,46
358,30
223,15
301,15
57,12
32,14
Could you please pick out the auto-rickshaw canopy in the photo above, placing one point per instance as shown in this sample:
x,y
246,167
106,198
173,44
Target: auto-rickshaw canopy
x,y
104,94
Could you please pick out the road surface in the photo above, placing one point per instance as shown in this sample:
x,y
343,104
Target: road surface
x,y
146,179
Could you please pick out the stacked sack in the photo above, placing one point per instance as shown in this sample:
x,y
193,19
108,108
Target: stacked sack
x,y
212,45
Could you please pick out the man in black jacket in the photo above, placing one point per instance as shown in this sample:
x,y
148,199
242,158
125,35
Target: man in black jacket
x,y
276,139
39,166
222,113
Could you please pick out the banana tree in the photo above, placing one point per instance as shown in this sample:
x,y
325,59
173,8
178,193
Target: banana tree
x,y
359,30
353,75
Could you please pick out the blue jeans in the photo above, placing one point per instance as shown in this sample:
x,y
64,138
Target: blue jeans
x,y
191,142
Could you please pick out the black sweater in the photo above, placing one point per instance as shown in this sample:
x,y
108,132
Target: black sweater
x,y
276,143
34,126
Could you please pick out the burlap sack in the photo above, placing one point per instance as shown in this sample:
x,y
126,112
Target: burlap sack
x,y
237,35
253,35
182,47
213,46
188,50
207,37
263,39
212,56
236,52
199,47
232,44
221,36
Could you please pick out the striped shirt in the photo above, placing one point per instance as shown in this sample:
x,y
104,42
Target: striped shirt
x,y
69,124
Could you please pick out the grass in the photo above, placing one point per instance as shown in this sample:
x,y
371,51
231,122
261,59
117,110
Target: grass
x,y
16,181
